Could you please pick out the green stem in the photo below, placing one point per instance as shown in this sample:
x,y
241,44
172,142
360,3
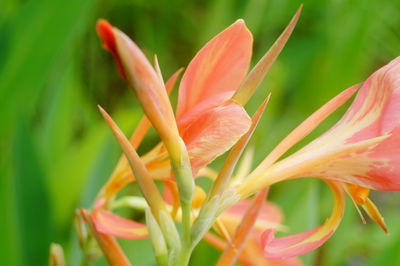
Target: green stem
x,y
186,247
162,260
186,241
184,256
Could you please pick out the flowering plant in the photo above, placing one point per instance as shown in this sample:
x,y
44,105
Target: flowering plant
x,y
360,152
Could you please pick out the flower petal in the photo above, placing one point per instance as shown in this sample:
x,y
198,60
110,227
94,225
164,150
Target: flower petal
x,y
110,247
226,171
294,245
111,224
260,70
218,67
214,132
376,167
376,109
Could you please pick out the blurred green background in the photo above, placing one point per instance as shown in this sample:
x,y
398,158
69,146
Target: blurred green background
x,y
56,151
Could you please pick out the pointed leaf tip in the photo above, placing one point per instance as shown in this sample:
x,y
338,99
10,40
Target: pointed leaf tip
x,y
240,21
103,112
261,69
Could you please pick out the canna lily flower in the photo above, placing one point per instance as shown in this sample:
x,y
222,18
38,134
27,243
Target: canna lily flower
x,y
359,153
210,117
207,120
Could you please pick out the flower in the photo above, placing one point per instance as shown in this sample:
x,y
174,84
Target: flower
x,y
360,152
375,113
210,118
208,121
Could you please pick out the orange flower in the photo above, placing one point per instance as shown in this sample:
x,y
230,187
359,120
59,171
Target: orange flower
x,y
357,154
210,117
207,120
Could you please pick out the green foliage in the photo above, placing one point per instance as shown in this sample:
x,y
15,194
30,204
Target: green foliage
x,y
56,151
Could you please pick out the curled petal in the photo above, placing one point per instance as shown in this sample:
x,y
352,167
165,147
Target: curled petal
x,y
218,67
214,132
111,224
294,245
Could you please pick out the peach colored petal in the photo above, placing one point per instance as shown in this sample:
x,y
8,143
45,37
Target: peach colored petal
x,y
376,167
294,245
147,86
376,108
260,70
372,115
110,247
111,224
218,67
213,132
226,171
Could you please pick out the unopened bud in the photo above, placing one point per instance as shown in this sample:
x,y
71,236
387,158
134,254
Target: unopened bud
x,y
80,228
56,255
157,239
170,233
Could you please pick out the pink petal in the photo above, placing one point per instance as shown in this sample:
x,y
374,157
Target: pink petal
x,y
294,245
378,101
281,247
218,67
111,224
375,112
377,167
213,132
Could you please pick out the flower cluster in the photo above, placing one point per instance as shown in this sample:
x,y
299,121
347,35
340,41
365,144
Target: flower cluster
x,y
359,153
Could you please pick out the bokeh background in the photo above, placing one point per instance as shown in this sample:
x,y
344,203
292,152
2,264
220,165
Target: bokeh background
x,y
56,151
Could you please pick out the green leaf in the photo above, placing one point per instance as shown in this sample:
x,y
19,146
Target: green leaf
x,y
31,199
